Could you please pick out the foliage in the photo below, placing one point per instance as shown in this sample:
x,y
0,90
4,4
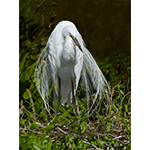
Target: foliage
x,y
63,131
117,68
40,130
35,25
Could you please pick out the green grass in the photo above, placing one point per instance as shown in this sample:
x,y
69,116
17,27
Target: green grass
x,y
40,130
63,132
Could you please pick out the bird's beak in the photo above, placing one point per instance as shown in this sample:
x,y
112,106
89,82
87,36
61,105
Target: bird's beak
x,y
75,41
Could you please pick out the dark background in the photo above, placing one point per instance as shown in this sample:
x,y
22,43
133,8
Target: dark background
x,y
105,26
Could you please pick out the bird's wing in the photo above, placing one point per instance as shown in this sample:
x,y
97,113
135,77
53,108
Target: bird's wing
x,y
93,82
44,75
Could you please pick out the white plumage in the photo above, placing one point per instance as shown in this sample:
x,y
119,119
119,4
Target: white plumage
x,y
63,63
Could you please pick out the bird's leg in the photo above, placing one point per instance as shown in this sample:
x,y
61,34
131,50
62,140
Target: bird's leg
x,y
59,93
73,96
74,100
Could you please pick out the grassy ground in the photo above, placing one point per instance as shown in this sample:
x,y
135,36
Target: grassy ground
x,y
40,130
43,131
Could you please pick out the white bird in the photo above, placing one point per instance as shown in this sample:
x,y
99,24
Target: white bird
x,y
63,64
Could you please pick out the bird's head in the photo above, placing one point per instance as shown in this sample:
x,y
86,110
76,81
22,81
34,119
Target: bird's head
x,y
75,41
73,33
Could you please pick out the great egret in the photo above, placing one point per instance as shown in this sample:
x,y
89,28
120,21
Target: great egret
x,y
63,62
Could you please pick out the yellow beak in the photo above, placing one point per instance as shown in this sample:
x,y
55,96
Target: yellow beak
x,y
75,41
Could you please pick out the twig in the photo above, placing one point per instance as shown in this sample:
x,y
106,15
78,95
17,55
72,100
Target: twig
x,y
33,108
127,81
129,99
78,112
92,145
40,125
117,137
20,110
28,111
62,130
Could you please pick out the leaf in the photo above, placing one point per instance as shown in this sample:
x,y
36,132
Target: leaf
x,y
66,112
34,125
80,143
29,71
25,95
76,127
96,143
36,146
71,139
21,65
65,122
22,121
50,128
83,126
49,145
108,126
117,143
112,112
56,119
66,139
126,108
129,130
121,92
102,144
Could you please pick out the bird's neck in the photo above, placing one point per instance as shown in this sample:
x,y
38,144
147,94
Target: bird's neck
x,y
69,50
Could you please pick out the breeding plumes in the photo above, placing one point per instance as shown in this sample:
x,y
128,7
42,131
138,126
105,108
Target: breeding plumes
x,y
64,64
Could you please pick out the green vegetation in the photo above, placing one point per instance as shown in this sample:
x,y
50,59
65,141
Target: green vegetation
x,y
40,130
